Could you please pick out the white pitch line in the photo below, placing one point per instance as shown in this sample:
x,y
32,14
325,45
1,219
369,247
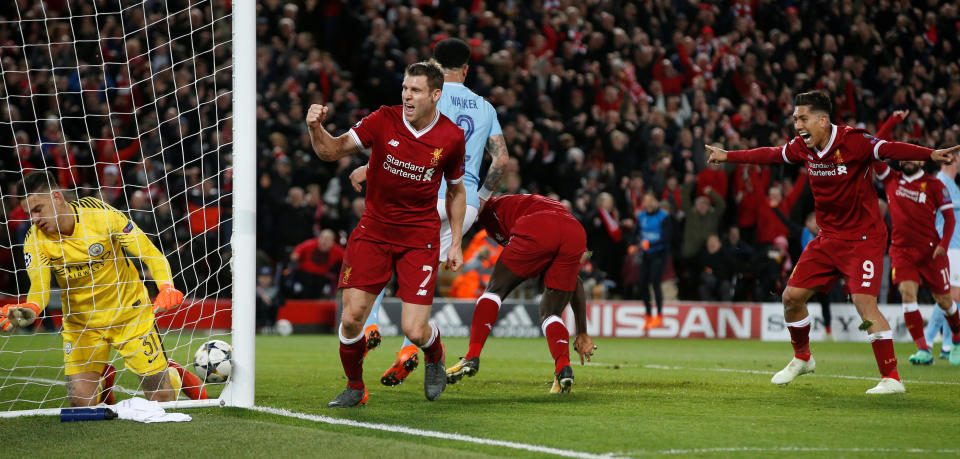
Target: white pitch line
x,y
788,449
427,433
815,375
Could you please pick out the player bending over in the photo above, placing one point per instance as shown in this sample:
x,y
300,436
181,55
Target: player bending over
x,y
852,235
481,131
917,251
85,244
412,146
539,237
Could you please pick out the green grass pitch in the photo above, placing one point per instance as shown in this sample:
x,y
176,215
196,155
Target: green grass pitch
x,y
640,398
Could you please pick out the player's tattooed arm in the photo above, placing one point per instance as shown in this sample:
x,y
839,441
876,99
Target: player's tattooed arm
x,y
327,147
497,148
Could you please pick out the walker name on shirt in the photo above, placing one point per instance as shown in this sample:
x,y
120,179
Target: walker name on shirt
x,y
913,195
463,102
408,170
825,169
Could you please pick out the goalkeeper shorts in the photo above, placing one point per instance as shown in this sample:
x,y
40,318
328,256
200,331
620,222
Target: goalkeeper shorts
x,y
137,342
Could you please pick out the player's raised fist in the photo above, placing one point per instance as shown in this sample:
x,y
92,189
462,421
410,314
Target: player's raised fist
x,y
715,155
316,114
18,315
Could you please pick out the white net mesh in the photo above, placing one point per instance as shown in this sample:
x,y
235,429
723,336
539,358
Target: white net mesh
x,y
127,102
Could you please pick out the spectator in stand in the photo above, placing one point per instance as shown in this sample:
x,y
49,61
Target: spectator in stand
x,y
654,233
749,183
769,227
316,266
605,238
715,271
295,219
712,177
740,254
269,300
701,220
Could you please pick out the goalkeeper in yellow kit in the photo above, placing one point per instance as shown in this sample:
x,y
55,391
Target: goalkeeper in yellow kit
x,y
86,245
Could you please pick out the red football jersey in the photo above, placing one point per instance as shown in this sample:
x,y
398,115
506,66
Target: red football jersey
x,y
499,214
404,175
840,177
914,202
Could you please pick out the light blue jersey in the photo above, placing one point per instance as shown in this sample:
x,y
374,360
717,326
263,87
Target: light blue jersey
x,y
478,119
954,195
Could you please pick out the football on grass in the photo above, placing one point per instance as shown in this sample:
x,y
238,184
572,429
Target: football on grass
x,y
213,361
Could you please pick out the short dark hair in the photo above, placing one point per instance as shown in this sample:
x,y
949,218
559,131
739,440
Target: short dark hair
x,y
37,182
430,70
817,100
451,53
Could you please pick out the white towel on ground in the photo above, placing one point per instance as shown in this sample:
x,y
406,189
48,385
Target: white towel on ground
x,y
143,410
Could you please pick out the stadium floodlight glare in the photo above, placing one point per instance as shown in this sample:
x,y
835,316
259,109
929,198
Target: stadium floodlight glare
x,y
150,107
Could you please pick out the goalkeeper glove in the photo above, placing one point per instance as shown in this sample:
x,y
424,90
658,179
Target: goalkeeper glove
x,y
168,298
18,315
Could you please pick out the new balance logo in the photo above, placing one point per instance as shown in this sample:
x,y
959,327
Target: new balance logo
x,y
393,143
490,326
865,284
422,292
563,341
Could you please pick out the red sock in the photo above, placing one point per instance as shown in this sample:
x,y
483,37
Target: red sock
x,y
954,321
800,338
433,350
558,339
484,316
190,384
107,377
886,359
351,357
915,326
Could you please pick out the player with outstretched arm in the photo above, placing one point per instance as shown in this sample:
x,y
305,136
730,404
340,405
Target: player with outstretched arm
x,y
852,235
413,147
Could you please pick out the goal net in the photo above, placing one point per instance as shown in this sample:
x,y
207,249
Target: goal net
x,y
129,102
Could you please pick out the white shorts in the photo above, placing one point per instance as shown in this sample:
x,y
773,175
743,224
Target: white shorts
x,y
954,256
446,235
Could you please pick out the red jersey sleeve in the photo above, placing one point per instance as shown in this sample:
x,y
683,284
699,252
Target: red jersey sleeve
x,y
860,141
789,153
454,168
368,129
884,172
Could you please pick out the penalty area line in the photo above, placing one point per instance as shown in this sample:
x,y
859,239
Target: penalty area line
x,y
425,433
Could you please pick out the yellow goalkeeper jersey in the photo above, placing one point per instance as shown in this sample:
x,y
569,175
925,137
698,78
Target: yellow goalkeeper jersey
x,y
101,286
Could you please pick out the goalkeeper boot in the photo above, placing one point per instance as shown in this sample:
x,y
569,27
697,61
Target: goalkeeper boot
x,y
435,378
465,367
562,381
955,354
372,332
349,397
190,384
107,378
922,357
407,361
887,386
795,368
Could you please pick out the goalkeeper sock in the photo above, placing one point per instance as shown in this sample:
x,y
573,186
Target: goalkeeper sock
x,y
882,343
914,321
433,348
374,316
558,339
351,357
484,316
190,384
800,338
107,377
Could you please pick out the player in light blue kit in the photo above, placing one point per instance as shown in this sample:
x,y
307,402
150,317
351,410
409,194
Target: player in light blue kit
x,y
478,119
938,321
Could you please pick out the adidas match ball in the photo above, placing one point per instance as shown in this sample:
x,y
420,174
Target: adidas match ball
x,y
212,361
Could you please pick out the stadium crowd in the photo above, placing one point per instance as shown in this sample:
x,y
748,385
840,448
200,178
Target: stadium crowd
x,y
601,103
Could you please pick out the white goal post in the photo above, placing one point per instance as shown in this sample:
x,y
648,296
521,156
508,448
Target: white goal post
x,y
51,57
